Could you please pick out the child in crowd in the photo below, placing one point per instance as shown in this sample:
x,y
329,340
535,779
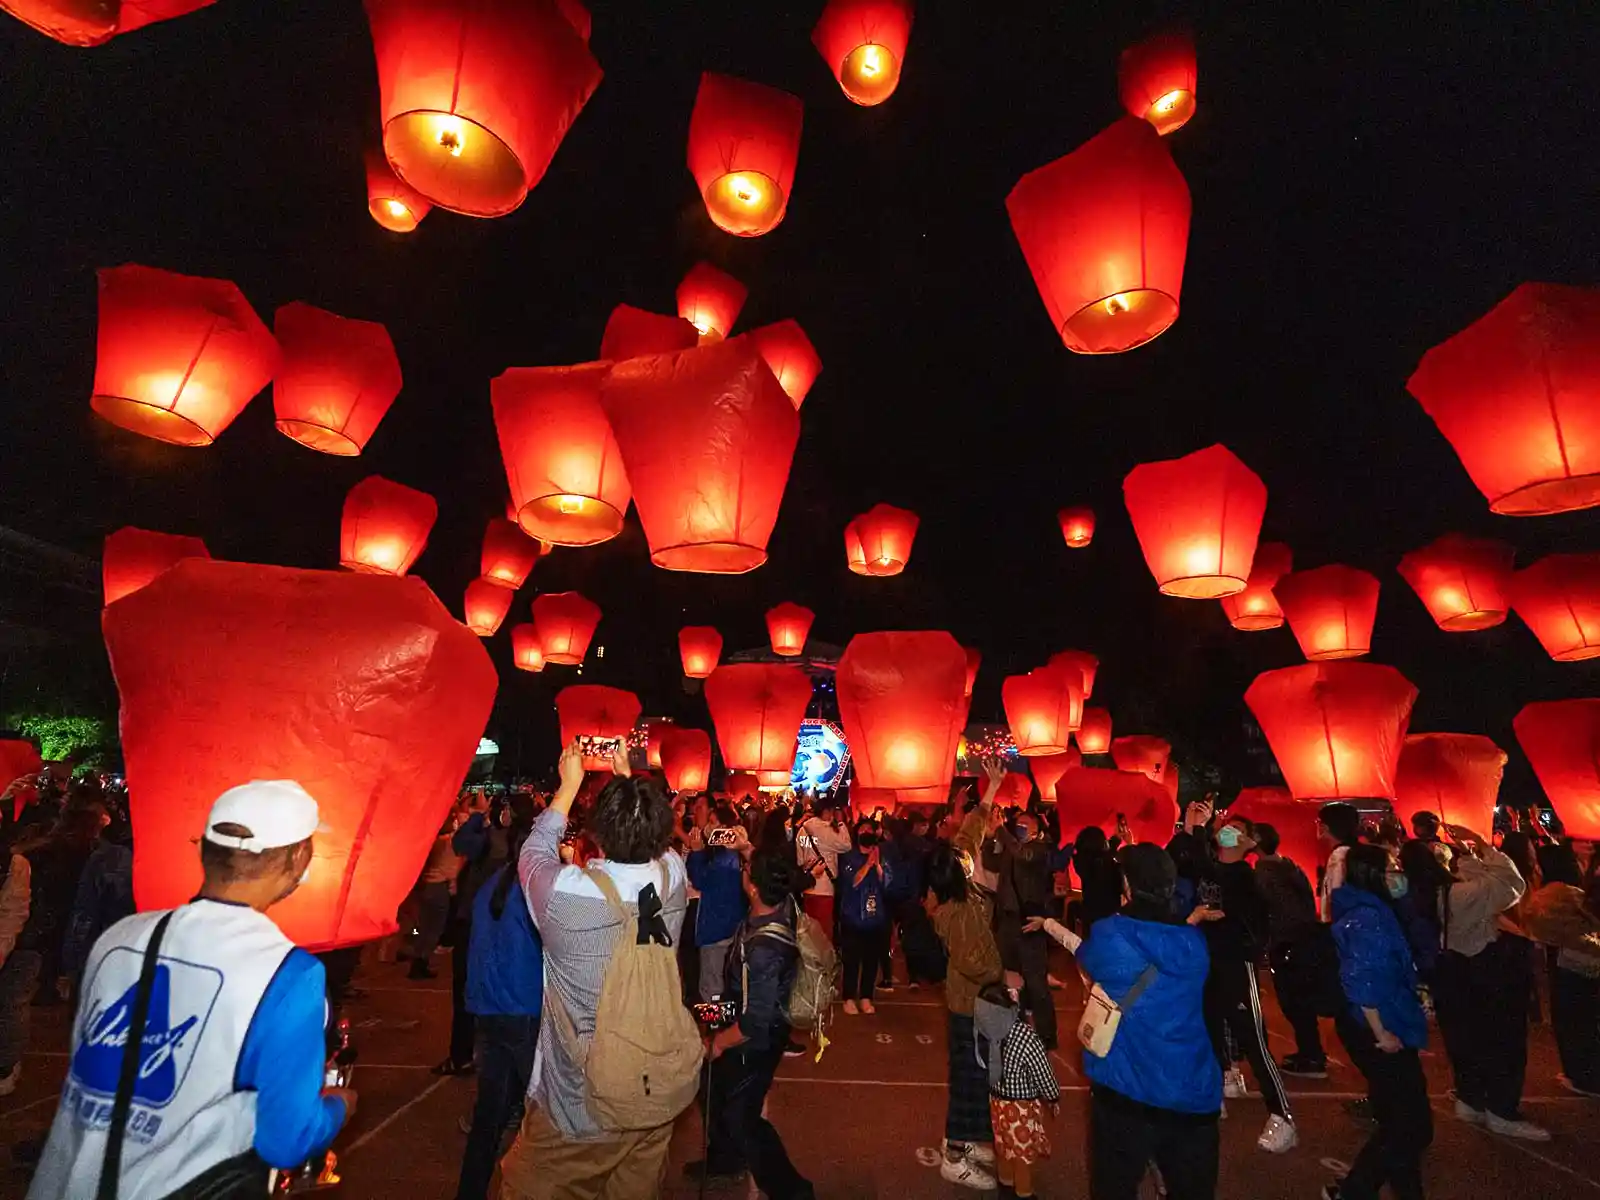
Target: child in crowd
x,y
1021,1082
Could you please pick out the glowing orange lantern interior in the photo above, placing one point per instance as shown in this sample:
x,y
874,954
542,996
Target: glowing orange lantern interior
x,y
1142,754
1085,664
710,300
902,705
1043,707
1077,526
1463,581
1256,608
974,661
1156,80
700,647
1562,740
855,556
885,534
787,626
1330,610
133,557
526,653
592,710
1558,598
744,142
686,759
1197,519
1455,776
864,43
508,554
791,357
1092,796
565,622
1049,768
336,381
394,204
385,526
633,333
486,606
1094,734
757,709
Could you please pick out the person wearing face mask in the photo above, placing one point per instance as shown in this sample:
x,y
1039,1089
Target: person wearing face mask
x,y
1024,868
228,1020
864,880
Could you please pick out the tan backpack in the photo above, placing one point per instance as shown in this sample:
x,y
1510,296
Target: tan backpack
x,y
642,1063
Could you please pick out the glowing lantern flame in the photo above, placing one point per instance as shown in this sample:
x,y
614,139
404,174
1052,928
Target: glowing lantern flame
x,y
565,622
1197,519
526,652
385,526
1077,526
1156,80
787,626
744,143
1330,610
864,43
700,647
1463,581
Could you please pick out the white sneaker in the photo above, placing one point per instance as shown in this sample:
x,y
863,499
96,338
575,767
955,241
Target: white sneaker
x,y
1279,1137
850,1009
1472,1116
978,1153
1525,1131
868,1008
967,1173
1233,1085
9,1081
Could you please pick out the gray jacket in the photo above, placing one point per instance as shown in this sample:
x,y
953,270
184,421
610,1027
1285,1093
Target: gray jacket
x,y
1469,910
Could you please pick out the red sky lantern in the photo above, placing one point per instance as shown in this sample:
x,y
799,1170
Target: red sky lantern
x,y
508,554
591,710
700,647
884,534
1049,768
757,709
1093,796
744,142
486,606
336,380
864,44
1517,395
385,526
902,705
633,333
1463,581
1336,728
1105,231
476,98
1256,607
655,728
18,758
686,759
1455,776
974,661
710,300
1295,821
1142,754
177,357
1094,734
742,785
1077,526
76,23
526,652
567,480
855,555
394,204
1043,707
788,625
791,357
133,557
566,623
1558,598
1081,661
708,438
361,688
1156,80
1562,740
1330,610
1197,518
1015,790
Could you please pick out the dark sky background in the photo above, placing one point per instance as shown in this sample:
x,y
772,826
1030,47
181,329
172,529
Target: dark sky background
x,y
1366,182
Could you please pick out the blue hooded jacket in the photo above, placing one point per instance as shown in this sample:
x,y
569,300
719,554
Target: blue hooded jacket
x,y
717,873
1375,964
505,957
1162,1054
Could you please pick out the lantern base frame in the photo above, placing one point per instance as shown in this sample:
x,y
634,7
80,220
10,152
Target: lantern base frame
x,y
1471,622
1040,751
365,568
151,420
1572,493
732,215
541,517
710,558
486,179
1078,543
385,216
1203,587
79,29
862,88
320,438
1256,622
562,660
1098,328
1345,652
1577,654
1175,116
879,570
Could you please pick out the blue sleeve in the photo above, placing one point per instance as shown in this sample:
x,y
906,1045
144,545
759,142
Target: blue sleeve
x,y
472,839
282,1062
1361,961
696,866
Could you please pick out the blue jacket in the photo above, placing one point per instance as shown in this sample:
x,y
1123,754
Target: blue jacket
x,y
1162,1054
864,905
1375,964
505,958
717,875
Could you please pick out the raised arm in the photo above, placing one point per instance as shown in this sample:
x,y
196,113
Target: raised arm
x,y
540,861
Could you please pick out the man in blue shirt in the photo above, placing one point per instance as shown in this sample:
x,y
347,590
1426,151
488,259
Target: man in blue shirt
x,y
717,873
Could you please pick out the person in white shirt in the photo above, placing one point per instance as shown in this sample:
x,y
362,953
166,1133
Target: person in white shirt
x,y
1339,825
822,837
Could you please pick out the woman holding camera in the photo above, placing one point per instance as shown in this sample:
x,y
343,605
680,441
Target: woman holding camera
x,y
863,917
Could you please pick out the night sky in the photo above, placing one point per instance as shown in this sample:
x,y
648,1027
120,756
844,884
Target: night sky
x,y
1366,182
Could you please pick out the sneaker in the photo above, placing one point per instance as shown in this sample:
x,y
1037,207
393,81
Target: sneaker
x,y
1233,1085
794,1050
1563,1080
1279,1137
1472,1116
867,1008
966,1172
9,1081
1304,1068
982,1155
1516,1127
914,986
850,1009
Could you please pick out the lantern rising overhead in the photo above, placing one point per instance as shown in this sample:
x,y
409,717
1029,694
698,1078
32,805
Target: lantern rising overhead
x,y
878,542
565,622
132,558
1336,728
361,688
1295,821
1197,519
385,526
1156,80
177,357
394,204
1463,581
526,653
1256,607
707,436
633,332
788,625
476,97
508,554
757,709
864,44
902,704
791,357
744,142
1558,598
1081,661
1092,796
1105,231
700,647
95,22
1049,768
1043,707
1517,396
710,300
1562,740
686,759
1330,610
486,606
1094,734
1142,754
336,380
1077,526
1455,776
568,484
590,710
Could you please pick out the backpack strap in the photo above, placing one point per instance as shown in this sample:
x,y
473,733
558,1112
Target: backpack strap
x,y
1146,978
608,889
132,1059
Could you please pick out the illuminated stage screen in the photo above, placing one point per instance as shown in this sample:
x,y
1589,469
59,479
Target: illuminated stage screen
x,y
821,756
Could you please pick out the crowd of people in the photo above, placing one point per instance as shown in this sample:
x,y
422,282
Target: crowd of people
x,y
619,954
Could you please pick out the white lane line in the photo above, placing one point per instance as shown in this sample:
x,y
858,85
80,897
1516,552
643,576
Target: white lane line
x,y
1065,1065
1515,1144
22,1108
396,1115
1288,1041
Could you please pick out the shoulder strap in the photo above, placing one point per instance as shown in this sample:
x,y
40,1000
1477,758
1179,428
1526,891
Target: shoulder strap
x,y
1146,978
132,1054
608,889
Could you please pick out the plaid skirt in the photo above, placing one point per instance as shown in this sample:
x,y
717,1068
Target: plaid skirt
x,y
1019,1133
967,1118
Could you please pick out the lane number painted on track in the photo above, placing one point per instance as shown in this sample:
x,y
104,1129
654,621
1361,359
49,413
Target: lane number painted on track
x,y
885,1039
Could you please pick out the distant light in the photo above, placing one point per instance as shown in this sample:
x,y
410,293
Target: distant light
x,y
485,746
599,651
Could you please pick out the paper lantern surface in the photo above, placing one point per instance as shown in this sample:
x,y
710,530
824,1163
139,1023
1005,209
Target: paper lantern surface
x,y
708,437
633,332
1558,598
1256,607
508,554
526,652
902,704
1463,581
1094,734
1335,728
476,98
565,622
686,759
864,44
361,688
742,785
790,356
1142,754
1197,519
568,482
17,759
1092,796
700,647
1517,396
177,357
1295,821
393,203
710,300
1043,707
1105,231
757,709
744,144
1081,661
1455,776
1049,768
592,710
1562,741
1077,526
788,626
336,380
1330,610
485,607
385,526
95,22
974,661
1156,80
133,557
883,536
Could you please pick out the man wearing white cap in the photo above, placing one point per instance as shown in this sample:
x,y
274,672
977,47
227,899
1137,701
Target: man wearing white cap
x,y
229,1018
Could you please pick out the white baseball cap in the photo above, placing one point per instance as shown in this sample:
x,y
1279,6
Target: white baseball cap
x,y
276,812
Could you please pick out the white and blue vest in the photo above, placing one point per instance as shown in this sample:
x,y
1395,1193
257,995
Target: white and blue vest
x,y
215,963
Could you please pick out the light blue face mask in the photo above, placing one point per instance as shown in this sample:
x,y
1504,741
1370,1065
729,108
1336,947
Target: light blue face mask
x,y
1228,837
1398,884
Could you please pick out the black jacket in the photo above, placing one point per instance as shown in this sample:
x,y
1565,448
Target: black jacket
x,y
767,963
